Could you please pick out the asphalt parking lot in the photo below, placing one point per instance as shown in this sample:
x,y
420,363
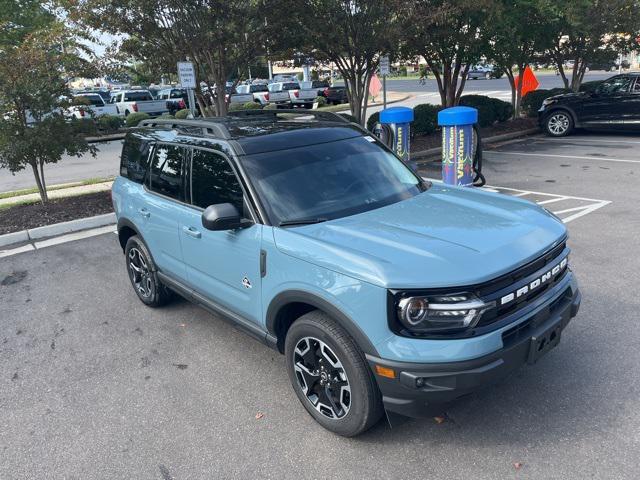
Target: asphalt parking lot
x,y
95,385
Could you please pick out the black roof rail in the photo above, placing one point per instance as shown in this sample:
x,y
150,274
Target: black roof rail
x,y
327,116
208,127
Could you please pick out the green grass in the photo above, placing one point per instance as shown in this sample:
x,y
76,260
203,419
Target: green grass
x,y
29,191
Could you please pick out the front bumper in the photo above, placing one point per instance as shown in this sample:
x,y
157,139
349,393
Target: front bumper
x,y
420,389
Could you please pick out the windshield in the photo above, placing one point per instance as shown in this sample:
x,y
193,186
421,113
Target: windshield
x,y
329,180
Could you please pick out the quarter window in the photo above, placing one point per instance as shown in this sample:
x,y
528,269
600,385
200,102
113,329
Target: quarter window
x,y
166,171
615,85
135,158
214,181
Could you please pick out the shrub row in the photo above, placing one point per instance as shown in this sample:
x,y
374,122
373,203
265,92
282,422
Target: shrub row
x,y
490,110
425,116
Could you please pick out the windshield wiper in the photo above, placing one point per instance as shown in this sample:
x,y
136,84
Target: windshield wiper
x,y
302,221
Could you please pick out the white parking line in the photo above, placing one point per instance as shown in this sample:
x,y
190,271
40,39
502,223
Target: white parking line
x,y
592,204
591,140
595,159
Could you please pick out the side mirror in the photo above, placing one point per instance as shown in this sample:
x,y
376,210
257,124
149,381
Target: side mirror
x,y
223,216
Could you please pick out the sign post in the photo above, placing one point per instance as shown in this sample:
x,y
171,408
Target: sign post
x,y
187,77
384,71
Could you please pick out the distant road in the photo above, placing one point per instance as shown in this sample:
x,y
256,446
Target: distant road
x,y
69,169
547,80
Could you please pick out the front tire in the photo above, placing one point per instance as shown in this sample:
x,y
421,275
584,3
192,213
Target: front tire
x,y
144,275
330,376
558,124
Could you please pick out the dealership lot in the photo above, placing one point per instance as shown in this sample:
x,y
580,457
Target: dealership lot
x,y
95,385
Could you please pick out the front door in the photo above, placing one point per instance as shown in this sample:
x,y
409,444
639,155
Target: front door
x,y
224,266
606,107
632,119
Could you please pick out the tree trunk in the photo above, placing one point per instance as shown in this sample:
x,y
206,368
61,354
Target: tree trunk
x,y
367,83
512,83
41,188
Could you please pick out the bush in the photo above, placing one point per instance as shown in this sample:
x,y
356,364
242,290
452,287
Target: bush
x,y
133,119
490,110
182,114
402,71
84,126
486,112
109,123
270,106
504,110
349,117
166,116
532,101
321,101
425,118
234,107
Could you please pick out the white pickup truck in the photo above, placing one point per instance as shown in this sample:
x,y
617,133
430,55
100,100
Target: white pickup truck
x,y
306,95
90,105
281,93
131,101
259,92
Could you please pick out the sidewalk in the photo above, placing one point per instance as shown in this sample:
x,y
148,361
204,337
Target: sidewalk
x,y
59,191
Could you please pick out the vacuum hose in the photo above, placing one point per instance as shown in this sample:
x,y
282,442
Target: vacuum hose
x,y
478,179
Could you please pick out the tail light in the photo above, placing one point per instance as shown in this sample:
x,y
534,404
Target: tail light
x,y
296,93
266,97
81,112
325,92
134,106
182,105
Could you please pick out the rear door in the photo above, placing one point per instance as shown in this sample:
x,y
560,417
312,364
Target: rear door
x,y
164,207
223,266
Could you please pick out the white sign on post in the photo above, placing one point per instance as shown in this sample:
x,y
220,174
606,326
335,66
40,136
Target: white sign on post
x,y
187,75
384,66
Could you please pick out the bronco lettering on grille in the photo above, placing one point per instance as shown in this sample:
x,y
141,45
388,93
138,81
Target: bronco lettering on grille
x,y
541,280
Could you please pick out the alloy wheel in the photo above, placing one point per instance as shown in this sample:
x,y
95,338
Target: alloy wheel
x,y
322,378
558,124
140,275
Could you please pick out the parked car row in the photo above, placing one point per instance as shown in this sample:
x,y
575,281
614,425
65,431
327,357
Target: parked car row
x,y
286,94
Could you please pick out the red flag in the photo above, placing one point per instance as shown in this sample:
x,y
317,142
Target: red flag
x,y
374,86
529,81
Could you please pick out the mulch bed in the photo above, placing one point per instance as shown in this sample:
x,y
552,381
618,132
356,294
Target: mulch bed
x,y
22,217
426,142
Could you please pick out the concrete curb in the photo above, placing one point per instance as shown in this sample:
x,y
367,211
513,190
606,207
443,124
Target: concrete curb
x,y
436,152
57,229
106,138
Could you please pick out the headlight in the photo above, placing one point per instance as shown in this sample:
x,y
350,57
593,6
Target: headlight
x,y
440,313
548,101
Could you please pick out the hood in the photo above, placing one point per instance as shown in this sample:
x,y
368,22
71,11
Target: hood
x,y
571,96
440,238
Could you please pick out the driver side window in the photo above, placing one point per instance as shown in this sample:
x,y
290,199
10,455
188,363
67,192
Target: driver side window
x,y
214,181
615,85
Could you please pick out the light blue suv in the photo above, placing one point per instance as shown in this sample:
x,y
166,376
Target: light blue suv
x,y
383,291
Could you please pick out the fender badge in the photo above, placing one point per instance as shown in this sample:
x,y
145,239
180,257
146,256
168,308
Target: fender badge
x,y
246,283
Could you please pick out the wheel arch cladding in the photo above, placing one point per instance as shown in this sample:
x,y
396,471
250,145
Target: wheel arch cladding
x,y
126,230
288,306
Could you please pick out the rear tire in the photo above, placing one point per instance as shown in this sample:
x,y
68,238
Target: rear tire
x,y
330,375
558,124
143,274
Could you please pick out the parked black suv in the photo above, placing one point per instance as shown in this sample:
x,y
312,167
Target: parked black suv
x,y
613,105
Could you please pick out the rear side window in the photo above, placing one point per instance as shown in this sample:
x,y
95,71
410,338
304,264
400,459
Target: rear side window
x,y
135,158
137,96
213,181
166,171
290,86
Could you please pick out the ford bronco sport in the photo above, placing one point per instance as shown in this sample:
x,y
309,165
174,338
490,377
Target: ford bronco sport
x,y
383,290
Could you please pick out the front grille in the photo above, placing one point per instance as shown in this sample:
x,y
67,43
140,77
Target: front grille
x,y
496,289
